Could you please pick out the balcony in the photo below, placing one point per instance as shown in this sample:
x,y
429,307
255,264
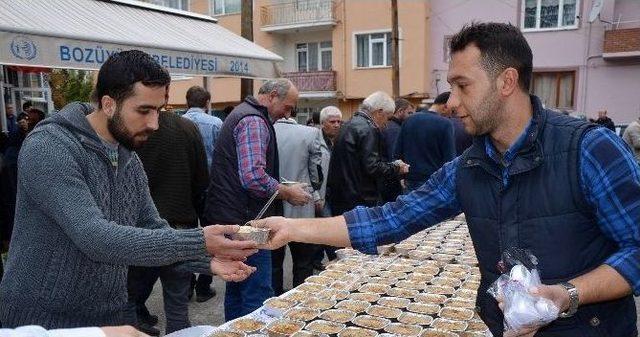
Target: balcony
x,y
292,17
314,84
621,44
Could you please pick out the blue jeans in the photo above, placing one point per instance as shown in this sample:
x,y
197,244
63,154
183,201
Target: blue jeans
x,y
242,298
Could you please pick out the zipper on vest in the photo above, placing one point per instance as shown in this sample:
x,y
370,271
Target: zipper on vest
x,y
500,224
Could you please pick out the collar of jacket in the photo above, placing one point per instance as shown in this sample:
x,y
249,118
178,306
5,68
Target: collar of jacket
x,y
255,104
196,109
529,155
366,116
287,121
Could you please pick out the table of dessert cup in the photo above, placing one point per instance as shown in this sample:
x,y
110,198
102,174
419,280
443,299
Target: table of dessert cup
x,y
423,286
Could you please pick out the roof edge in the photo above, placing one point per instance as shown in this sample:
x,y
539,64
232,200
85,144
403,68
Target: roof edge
x,y
162,9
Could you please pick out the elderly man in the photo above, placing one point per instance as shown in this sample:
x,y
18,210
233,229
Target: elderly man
x,y
359,170
330,123
244,174
300,152
565,189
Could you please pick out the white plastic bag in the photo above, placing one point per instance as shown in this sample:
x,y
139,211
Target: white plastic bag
x,y
521,308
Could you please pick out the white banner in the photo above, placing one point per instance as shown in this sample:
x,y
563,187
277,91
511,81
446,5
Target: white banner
x,y
52,52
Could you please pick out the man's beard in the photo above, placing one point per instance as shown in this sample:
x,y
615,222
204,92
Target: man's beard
x,y
119,131
488,112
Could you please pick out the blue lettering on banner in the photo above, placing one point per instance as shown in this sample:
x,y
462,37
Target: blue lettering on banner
x,y
64,53
85,55
76,53
99,55
89,56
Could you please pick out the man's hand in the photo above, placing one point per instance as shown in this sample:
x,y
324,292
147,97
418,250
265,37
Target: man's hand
x,y
280,233
231,271
122,331
295,194
222,247
403,168
555,293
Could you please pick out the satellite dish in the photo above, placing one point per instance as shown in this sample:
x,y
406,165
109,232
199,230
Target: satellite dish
x,y
595,10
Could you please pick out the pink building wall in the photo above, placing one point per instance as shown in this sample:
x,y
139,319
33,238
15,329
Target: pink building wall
x,y
600,84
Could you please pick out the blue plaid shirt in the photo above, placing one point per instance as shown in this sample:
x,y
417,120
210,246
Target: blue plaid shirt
x,y
209,127
610,181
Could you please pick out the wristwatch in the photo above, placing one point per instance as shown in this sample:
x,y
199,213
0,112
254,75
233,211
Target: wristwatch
x,y
573,300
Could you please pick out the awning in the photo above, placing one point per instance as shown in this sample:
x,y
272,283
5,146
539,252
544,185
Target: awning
x,y
81,34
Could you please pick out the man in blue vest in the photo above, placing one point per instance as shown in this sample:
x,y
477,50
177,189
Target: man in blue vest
x,y
567,190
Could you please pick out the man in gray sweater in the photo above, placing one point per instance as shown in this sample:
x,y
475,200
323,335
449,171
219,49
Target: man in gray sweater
x,y
84,212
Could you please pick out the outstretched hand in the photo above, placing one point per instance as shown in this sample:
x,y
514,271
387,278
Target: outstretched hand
x,y
231,271
219,246
280,233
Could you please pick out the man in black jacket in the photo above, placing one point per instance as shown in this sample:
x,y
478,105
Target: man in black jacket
x,y
358,171
175,162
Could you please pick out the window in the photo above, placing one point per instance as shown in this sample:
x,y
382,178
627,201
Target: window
x,y
326,53
304,113
175,4
446,52
221,7
555,89
549,14
373,50
303,56
314,56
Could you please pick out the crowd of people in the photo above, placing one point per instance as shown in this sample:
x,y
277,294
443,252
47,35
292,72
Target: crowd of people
x,y
111,196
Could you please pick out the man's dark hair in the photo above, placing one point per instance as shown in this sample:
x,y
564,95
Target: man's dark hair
x,y
316,117
122,70
501,46
197,97
22,115
442,98
401,104
26,105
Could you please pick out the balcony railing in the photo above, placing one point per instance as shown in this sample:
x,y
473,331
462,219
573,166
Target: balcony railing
x,y
311,12
313,80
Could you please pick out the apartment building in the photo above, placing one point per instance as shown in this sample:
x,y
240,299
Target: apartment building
x,y
336,52
339,51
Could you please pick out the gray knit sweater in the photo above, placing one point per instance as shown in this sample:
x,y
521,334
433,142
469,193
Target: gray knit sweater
x,y
79,224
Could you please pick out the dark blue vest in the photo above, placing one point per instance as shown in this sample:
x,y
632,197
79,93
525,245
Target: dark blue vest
x,y
227,201
542,209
